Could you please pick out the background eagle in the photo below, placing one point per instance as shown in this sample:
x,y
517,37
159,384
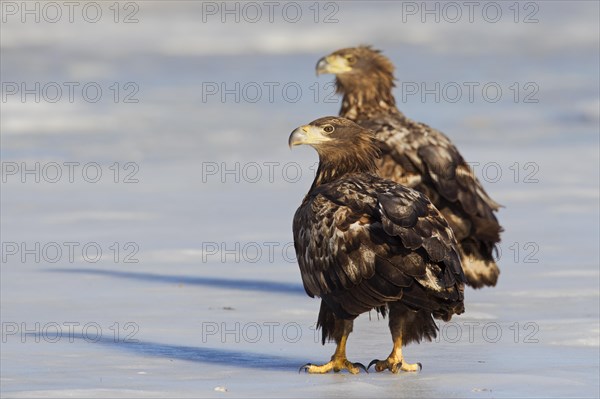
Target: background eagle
x,y
418,156
365,243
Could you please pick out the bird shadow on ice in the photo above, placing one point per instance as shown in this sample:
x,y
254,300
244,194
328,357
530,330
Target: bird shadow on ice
x,y
225,357
237,284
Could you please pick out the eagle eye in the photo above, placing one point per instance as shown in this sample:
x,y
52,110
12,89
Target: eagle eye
x,y
328,129
351,59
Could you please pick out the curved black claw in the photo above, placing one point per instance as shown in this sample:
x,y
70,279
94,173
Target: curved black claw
x,y
374,361
305,368
361,366
420,366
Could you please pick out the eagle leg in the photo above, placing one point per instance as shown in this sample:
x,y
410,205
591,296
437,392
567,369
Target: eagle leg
x,y
338,361
395,361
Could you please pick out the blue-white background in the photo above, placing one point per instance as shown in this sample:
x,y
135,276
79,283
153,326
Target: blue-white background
x,y
215,299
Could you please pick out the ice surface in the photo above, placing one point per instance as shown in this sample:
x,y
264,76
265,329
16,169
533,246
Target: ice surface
x,y
198,316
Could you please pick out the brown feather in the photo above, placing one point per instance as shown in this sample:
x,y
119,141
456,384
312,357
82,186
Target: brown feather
x,y
364,243
422,158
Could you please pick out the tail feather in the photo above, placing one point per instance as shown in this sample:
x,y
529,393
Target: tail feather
x,y
478,270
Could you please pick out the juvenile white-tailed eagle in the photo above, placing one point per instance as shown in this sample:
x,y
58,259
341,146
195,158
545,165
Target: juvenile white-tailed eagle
x,y
366,243
419,157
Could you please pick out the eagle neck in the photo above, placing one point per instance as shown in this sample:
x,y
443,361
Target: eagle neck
x,y
366,98
355,105
332,168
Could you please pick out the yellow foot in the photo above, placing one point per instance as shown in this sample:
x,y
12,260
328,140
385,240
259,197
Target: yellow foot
x,y
336,364
394,365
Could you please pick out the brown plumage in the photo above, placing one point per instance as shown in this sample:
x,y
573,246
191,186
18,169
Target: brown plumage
x,y
366,243
419,157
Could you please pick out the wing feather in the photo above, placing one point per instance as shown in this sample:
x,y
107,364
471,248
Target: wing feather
x,y
423,158
379,240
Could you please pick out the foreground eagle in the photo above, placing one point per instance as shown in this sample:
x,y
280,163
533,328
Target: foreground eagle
x,y
366,243
418,156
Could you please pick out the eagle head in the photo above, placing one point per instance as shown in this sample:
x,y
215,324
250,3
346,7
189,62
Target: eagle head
x,y
330,132
362,73
340,143
357,61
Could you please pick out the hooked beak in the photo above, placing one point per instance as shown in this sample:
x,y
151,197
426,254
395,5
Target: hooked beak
x,y
321,66
307,134
332,64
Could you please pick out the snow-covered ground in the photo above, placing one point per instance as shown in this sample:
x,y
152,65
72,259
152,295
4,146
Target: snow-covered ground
x,y
171,274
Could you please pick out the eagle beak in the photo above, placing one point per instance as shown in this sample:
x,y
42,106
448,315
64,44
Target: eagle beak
x,y
321,66
307,134
298,136
332,64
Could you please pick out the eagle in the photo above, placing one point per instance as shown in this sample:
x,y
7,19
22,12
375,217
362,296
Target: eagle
x,y
419,157
364,243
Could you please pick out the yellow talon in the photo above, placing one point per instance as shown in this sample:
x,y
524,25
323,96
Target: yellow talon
x,y
338,362
395,361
